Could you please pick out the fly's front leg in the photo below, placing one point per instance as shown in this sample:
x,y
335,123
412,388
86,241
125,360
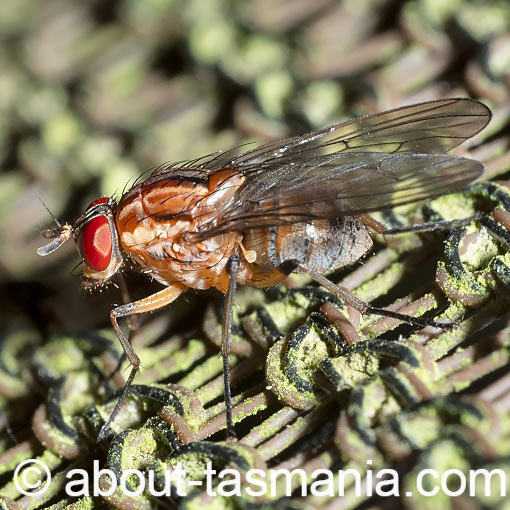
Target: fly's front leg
x,y
149,304
132,323
363,307
124,292
226,331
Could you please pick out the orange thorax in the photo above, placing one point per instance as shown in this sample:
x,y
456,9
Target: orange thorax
x,y
154,217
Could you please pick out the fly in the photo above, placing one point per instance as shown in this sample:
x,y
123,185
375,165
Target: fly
x,y
299,204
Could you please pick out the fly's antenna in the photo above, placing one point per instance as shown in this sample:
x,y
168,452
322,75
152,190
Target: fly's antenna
x,y
60,234
50,213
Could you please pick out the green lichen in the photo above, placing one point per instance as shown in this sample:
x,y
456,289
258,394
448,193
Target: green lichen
x,y
286,313
382,283
357,367
312,351
61,356
182,359
85,503
478,255
420,428
454,206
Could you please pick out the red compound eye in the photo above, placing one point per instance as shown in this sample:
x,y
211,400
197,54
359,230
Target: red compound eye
x,y
102,200
95,243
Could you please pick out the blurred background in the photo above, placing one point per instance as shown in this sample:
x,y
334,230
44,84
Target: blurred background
x,y
95,92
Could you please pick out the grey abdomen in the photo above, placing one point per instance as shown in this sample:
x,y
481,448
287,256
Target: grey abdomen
x,y
320,245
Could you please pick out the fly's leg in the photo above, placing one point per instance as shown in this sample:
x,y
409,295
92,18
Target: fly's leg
x,y
226,341
124,292
154,302
132,323
432,226
360,305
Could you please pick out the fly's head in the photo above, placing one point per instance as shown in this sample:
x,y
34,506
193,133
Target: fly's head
x,y
96,238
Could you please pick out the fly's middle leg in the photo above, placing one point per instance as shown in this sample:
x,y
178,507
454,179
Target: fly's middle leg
x,y
226,339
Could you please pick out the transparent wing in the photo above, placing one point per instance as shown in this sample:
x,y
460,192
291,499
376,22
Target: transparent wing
x,y
365,164
341,184
433,127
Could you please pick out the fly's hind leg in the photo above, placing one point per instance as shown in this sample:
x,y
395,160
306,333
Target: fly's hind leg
x,y
149,304
432,226
362,307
